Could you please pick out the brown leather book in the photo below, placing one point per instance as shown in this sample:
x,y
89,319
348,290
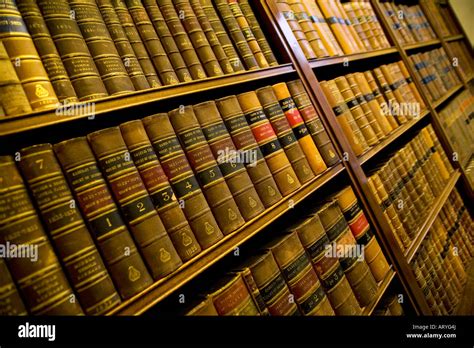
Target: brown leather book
x,y
47,50
182,39
10,300
139,48
245,142
313,122
225,153
38,273
67,229
134,201
152,42
254,291
279,165
161,193
12,96
285,134
204,308
29,67
124,48
184,183
369,45
206,168
98,208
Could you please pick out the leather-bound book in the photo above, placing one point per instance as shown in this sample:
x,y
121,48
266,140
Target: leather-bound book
x,y
279,165
38,274
161,192
285,134
47,50
27,62
341,14
299,128
230,164
182,39
182,179
134,201
374,23
222,36
254,291
257,31
93,197
246,144
211,36
393,99
313,122
205,308
369,45
67,229
300,275
124,48
398,85
315,241
207,171
356,10
12,96
10,300
152,42
139,48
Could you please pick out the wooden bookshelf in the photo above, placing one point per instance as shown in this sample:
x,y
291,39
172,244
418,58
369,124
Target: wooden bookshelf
x,y
382,288
340,60
421,45
447,96
453,38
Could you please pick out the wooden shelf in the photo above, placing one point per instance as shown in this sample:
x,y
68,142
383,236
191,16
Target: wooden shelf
x,y
469,78
391,138
425,227
383,286
448,95
107,105
421,44
191,269
453,38
318,63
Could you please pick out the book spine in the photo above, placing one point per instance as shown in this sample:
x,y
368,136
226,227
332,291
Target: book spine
x,y
349,25
205,308
368,44
139,48
69,234
397,91
184,183
369,30
124,48
245,143
152,42
10,300
161,192
392,101
277,161
286,137
93,197
24,56
313,122
38,274
207,171
255,292
47,50
374,23
232,167
134,201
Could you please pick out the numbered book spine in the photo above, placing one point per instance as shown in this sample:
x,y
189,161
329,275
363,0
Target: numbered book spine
x,y
10,300
12,96
286,137
136,205
230,164
279,165
152,42
69,234
25,58
246,144
182,39
182,179
313,122
47,50
38,273
161,193
124,48
93,197
137,44
207,171
222,36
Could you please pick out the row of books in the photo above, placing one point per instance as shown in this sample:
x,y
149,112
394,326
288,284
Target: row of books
x,y
442,262
409,23
436,73
152,193
70,51
328,263
331,28
443,18
370,105
463,61
407,184
390,306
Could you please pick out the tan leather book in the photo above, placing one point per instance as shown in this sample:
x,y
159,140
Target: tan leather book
x,y
10,300
392,105
350,26
369,44
254,291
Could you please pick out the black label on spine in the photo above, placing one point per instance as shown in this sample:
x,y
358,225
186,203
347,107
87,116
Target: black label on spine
x,y
287,139
270,147
163,197
352,212
273,288
139,207
192,137
333,278
165,147
236,123
339,227
82,176
209,175
116,163
352,103
215,131
143,155
255,116
300,131
366,237
369,96
312,301
318,247
106,223
185,186
273,111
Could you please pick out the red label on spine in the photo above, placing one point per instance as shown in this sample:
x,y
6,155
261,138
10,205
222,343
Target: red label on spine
x,y
200,156
127,185
153,176
244,139
176,166
308,113
294,117
94,199
360,225
263,132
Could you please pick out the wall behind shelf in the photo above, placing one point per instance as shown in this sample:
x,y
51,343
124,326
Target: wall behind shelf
x,y
464,10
